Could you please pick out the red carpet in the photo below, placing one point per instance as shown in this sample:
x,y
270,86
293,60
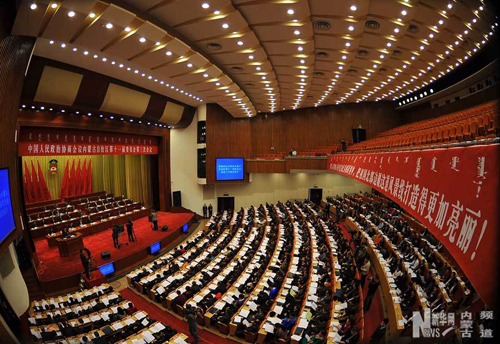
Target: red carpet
x,y
166,318
375,315
52,266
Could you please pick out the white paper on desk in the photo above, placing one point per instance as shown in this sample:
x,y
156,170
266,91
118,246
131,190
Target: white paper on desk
x,y
269,328
219,305
197,298
95,318
295,338
140,315
244,313
148,337
237,319
159,327
278,309
252,306
129,321
303,323
86,320
160,290
180,340
117,326
145,322
105,300
105,316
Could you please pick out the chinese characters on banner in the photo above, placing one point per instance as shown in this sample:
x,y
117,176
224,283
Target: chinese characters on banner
x,y
42,141
453,192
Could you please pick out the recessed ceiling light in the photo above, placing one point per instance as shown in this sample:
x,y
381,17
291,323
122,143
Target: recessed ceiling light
x,y
216,12
95,56
127,29
205,5
54,5
296,32
142,39
85,52
190,65
225,26
258,68
396,30
109,26
251,57
353,8
205,75
92,15
347,44
403,12
290,11
63,45
351,28
157,43
300,48
450,6
240,42
104,59
51,42
33,6
75,49
71,14
168,53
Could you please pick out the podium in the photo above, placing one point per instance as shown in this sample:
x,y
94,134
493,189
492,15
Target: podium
x,y
71,245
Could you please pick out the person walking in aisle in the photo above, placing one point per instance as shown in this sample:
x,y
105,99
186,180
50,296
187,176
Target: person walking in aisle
x,y
191,313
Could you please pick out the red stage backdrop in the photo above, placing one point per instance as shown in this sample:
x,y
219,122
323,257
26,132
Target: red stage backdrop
x,y
453,191
46,141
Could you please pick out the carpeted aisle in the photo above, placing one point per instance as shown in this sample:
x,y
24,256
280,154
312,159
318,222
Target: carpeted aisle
x,y
52,266
166,318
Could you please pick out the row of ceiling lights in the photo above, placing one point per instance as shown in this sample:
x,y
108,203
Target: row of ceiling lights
x,y
110,26
90,114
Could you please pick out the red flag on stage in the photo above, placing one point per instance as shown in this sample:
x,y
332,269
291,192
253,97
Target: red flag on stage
x,y
83,178
78,182
89,178
71,181
36,184
43,184
28,197
64,184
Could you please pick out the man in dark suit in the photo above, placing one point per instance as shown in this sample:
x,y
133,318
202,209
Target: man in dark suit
x,y
154,219
115,235
210,211
130,230
85,257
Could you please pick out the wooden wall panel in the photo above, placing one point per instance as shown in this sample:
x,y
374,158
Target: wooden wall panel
x,y
15,52
265,166
309,128
306,164
226,137
301,129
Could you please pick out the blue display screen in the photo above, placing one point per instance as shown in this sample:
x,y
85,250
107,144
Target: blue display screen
x,y
107,269
229,169
185,228
155,247
7,224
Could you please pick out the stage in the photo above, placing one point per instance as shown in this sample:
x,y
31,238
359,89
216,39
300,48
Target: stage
x,y
60,273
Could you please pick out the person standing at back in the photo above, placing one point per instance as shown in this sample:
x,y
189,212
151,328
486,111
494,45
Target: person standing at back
x,y
205,211
154,219
210,210
130,230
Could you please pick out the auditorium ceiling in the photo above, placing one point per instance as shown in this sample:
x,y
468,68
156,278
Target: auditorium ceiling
x,y
253,56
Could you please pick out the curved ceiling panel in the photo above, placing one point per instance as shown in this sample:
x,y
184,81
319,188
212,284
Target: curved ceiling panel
x,y
267,55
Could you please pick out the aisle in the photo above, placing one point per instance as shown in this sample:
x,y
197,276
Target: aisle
x,y
376,313
166,318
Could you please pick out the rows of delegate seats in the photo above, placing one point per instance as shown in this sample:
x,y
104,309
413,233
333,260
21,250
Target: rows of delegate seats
x,y
413,274
98,315
473,124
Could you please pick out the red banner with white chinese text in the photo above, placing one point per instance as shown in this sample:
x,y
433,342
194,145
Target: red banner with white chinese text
x,y
47,141
452,191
